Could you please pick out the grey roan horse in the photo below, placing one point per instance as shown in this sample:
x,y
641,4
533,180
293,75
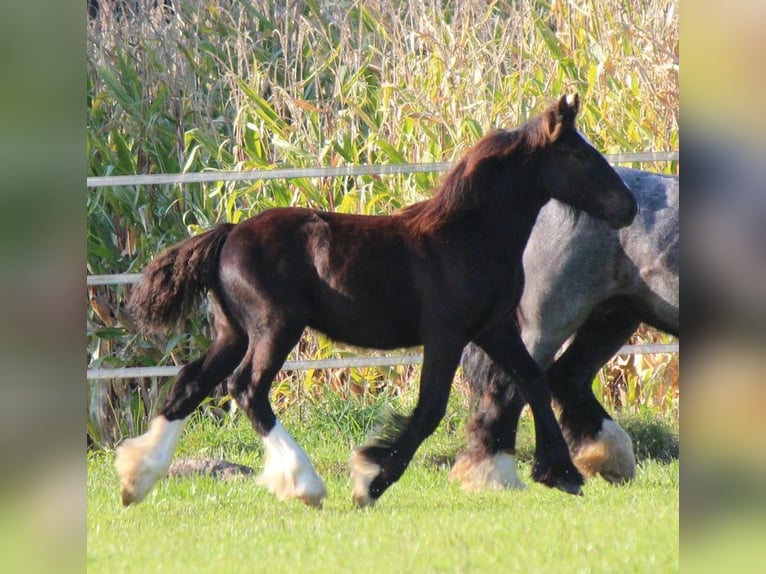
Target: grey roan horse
x,y
585,279
439,273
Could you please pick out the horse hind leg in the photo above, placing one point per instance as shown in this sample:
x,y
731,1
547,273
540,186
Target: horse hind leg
x,y
553,465
489,462
143,460
288,472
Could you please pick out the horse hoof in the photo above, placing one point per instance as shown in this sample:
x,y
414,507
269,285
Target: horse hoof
x,y
305,486
495,472
615,479
363,472
287,470
143,460
312,500
137,476
126,497
363,500
609,454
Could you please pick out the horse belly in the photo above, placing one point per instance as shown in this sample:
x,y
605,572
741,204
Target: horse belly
x,y
364,328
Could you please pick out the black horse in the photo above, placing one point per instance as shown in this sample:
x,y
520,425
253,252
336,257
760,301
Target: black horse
x,y
439,273
585,279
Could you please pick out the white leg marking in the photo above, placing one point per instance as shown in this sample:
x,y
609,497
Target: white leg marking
x,y
287,472
493,473
143,460
610,454
362,473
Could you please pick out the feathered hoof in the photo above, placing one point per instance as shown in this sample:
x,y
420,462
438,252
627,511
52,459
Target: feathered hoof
x,y
302,485
287,472
363,472
495,472
143,460
137,474
609,454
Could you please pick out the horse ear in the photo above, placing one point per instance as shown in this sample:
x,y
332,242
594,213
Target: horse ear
x,y
552,118
569,106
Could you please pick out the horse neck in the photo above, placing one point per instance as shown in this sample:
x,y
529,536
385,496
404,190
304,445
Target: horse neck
x,y
500,227
509,215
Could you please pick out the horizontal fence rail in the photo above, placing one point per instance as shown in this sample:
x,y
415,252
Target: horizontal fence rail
x,y
341,363
113,279
292,173
343,171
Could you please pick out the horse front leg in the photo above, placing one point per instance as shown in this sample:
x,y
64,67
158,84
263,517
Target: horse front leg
x,y
378,465
598,444
553,465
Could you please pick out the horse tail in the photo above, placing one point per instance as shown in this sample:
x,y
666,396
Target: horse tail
x,y
176,281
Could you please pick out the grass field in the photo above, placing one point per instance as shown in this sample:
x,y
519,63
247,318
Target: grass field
x,y
424,523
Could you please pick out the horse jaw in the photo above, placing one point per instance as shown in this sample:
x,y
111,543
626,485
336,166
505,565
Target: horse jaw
x,y
489,473
143,460
609,454
287,472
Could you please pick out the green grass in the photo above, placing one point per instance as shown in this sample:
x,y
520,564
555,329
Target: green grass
x,y
423,523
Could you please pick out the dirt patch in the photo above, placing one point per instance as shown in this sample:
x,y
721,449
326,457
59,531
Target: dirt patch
x,y
213,467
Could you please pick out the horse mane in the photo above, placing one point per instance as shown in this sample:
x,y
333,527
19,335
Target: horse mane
x,y
465,186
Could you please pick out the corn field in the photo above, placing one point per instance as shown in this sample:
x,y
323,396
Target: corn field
x,y
195,85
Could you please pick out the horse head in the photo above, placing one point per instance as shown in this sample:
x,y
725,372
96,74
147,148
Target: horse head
x,y
574,172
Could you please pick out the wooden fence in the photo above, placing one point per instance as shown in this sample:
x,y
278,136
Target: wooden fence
x,y
292,173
